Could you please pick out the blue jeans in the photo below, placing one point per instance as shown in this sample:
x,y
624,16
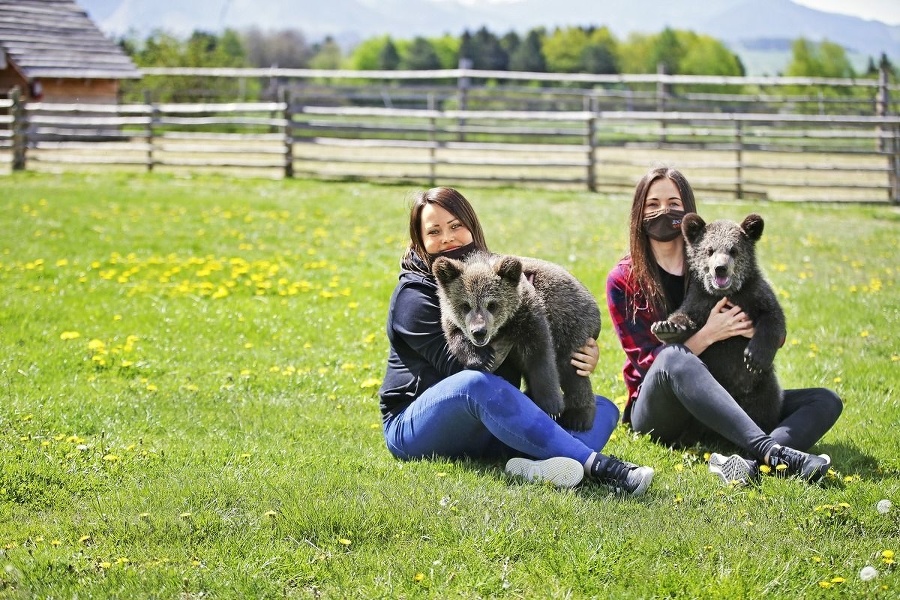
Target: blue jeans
x,y
679,396
480,415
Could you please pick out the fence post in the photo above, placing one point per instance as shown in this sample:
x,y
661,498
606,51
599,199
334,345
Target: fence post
x,y
19,130
462,91
661,92
592,145
882,104
285,95
895,170
150,122
432,139
739,151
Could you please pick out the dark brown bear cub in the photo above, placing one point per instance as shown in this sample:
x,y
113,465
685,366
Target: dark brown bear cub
x,y
529,311
721,260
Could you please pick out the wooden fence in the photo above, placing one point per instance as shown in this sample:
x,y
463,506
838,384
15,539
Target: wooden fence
x,y
774,156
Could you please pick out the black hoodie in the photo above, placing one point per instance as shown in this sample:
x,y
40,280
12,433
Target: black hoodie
x,y
419,355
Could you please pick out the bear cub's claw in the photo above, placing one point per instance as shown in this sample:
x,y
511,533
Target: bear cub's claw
x,y
481,359
752,364
666,331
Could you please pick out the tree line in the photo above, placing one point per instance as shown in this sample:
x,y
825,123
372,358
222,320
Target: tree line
x,y
594,50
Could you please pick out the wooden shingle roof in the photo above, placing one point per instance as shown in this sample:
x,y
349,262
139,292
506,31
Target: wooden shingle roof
x,y
56,39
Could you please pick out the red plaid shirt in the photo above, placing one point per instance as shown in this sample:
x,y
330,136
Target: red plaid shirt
x,y
633,328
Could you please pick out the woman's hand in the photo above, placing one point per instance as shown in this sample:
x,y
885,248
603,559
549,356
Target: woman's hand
x,y
727,320
585,359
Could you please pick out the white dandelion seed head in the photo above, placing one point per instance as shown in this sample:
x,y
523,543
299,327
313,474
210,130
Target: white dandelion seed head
x,y
884,506
868,573
81,447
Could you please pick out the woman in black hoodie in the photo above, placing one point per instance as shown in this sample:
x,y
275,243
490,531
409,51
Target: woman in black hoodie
x,y
432,406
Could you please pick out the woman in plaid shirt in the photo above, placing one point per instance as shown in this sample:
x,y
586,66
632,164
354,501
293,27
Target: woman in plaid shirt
x,y
671,394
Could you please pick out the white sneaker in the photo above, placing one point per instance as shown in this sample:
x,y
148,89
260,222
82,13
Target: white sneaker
x,y
560,471
734,469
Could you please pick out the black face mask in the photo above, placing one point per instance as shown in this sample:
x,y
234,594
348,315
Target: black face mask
x,y
663,225
456,253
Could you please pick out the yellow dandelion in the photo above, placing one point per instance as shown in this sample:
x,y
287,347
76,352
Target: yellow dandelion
x,y
185,515
837,380
56,543
270,513
864,333
838,580
370,383
84,539
344,541
144,516
111,458
419,577
69,335
825,584
104,564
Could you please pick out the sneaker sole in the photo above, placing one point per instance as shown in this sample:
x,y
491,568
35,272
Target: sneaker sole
x,y
731,470
560,471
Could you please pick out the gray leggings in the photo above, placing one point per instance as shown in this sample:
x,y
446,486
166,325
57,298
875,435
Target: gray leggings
x,y
679,402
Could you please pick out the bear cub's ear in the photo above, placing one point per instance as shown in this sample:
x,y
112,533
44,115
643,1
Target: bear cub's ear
x,y
509,268
753,227
692,226
446,269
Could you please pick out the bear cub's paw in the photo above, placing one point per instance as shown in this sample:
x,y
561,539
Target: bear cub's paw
x,y
757,361
577,419
667,331
480,359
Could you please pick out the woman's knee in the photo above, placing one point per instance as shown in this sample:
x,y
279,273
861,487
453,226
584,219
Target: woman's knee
x,y
830,403
675,359
607,413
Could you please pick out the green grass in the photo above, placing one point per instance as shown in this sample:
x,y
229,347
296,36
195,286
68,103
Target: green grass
x,y
189,407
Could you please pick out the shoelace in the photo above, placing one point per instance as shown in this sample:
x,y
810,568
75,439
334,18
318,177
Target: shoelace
x,y
615,473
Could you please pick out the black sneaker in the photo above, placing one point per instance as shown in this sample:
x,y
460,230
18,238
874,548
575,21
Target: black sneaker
x,y
787,461
734,470
621,477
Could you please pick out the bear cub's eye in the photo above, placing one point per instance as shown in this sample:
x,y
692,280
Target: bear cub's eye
x,y
466,307
733,251
491,306
710,251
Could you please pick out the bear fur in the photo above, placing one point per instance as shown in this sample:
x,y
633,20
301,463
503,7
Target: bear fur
x,y
529,311
721,261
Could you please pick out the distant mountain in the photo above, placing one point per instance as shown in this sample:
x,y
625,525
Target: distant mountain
x,y
739,23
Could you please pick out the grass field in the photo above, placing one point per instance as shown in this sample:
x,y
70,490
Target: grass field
x,y
189,407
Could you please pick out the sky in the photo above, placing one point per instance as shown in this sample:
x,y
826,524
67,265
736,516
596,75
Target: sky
x,y
886,11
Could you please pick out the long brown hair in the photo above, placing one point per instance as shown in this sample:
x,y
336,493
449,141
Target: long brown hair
x,y
643,267
453,202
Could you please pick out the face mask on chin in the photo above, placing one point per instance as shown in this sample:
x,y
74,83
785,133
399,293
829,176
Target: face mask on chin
x,y
456,253
664,225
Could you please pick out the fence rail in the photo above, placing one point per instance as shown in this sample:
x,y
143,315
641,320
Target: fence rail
x,y
744,155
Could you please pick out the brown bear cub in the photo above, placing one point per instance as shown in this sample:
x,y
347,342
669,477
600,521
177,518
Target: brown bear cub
x,y
532,312
721,260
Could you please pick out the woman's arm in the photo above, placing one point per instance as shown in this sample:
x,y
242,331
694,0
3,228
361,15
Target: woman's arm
x,y
633,330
